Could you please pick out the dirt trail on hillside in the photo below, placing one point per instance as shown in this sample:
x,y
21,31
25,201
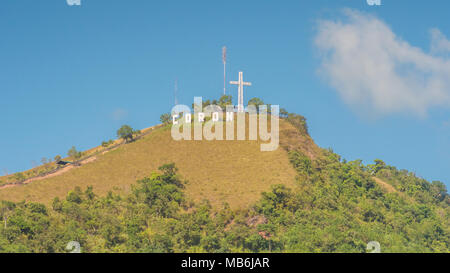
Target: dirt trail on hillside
x,y
91,158
59,172
389,188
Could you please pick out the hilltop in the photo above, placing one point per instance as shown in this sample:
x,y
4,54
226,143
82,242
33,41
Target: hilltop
x,y
159,195
236,172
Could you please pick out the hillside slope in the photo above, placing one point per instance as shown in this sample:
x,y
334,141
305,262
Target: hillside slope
x,y
299,198
236,172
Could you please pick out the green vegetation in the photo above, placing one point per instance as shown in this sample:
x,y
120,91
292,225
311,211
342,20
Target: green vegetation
x,y
127,133
332,206
258,102
283,113
108,143
336,207
19,177
225,101
409,184
57,158
121,167
74,154
339,208
298,121
166,118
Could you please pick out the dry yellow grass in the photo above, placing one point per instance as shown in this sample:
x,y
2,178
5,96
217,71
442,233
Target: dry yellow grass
x,y
220,171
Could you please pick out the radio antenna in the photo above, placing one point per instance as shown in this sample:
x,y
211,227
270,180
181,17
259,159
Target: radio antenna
x,y
224,60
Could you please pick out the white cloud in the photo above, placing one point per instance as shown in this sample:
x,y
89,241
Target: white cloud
x,y
439,44
376,71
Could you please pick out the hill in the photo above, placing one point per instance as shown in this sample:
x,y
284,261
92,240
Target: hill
x,y
236,172
160,195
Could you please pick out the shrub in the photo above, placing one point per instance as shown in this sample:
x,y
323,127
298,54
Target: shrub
x,y
298,121
73,153
19,177
283,113
126,133
107,143
165,118
224,101
57,158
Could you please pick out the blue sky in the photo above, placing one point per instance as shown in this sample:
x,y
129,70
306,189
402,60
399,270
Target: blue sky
x,y
71,75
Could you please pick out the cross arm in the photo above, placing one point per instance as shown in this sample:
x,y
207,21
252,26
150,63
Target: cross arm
x,y
234,82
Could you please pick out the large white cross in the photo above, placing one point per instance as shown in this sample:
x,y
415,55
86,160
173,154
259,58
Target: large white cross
x,y
241,84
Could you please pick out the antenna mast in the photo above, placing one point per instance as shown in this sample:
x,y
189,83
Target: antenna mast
x,y
224,60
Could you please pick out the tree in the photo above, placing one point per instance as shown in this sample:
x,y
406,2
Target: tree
x,y
379,165
299,122
126,133
73,153
224,101
6,208
283,113
162,193
75,196
206,103
438,190
19,177
57,158
166,118
256,102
